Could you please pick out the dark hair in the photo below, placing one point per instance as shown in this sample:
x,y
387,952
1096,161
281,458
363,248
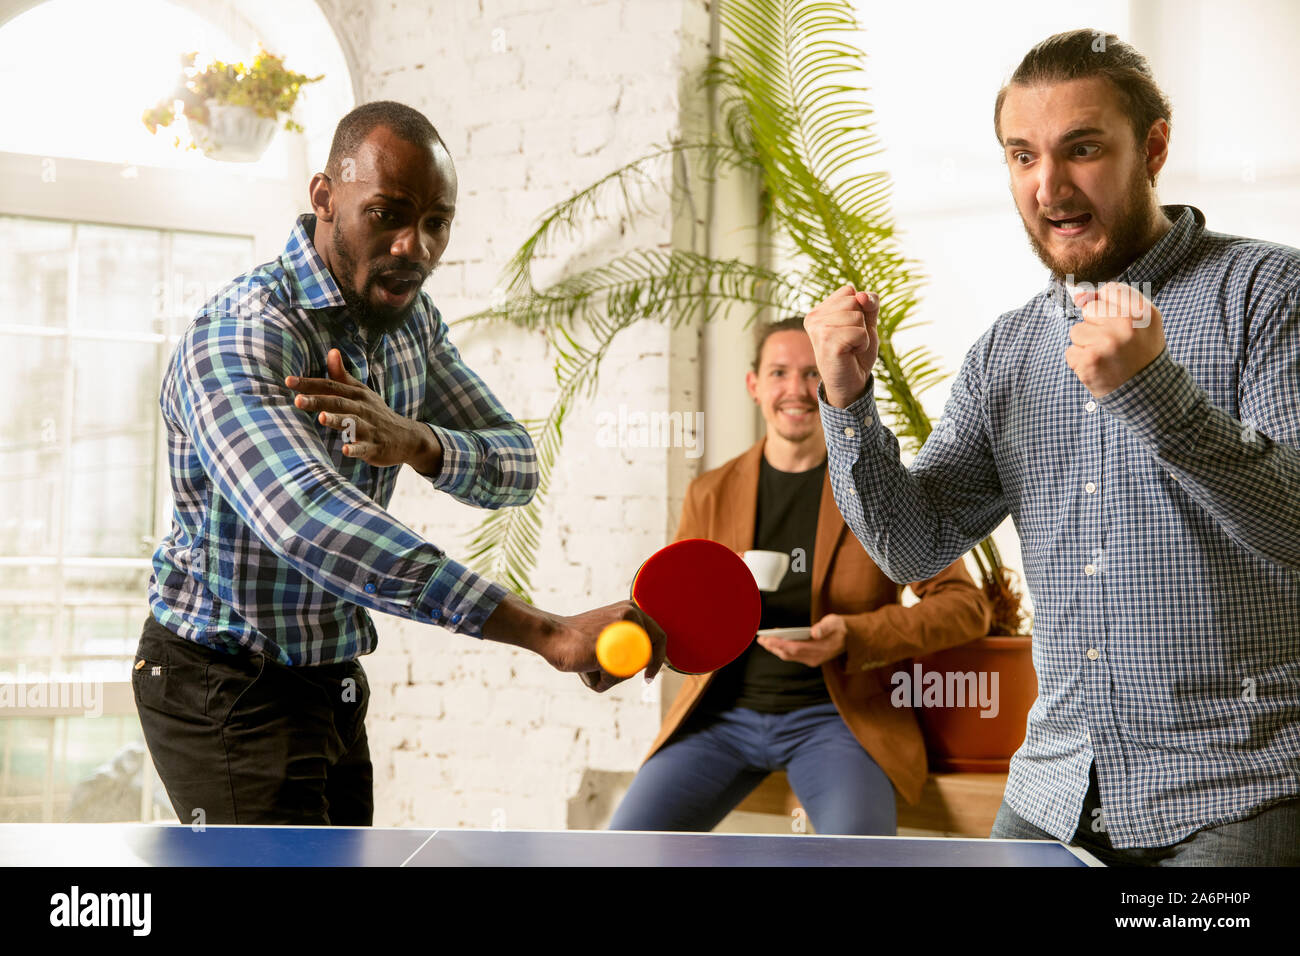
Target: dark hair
x,y
1086,53
793,324
409,125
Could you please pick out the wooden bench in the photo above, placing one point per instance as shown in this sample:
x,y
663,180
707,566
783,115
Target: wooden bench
x,y
959,804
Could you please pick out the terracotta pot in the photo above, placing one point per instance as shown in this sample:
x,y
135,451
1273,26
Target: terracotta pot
x,y
980,734
234,134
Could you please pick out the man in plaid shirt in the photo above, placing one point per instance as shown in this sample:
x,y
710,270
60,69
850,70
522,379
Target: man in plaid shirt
x,y
1139,419
291,403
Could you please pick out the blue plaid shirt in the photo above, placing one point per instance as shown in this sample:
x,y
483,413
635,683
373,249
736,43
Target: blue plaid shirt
x,y
1160,529
279,543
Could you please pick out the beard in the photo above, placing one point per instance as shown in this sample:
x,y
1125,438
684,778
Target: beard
x,y
377,319
796,431
1126,240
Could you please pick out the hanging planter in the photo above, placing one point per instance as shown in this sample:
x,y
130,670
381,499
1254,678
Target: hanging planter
x,y
233,134
232,110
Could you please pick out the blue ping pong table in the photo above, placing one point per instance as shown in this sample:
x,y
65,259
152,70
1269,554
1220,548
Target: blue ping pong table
x,y
125,844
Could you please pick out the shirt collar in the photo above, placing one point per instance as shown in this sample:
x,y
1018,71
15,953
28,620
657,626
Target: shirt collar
x,y
311,286
1158,263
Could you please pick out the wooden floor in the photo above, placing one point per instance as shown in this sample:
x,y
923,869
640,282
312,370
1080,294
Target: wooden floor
x,y
956,804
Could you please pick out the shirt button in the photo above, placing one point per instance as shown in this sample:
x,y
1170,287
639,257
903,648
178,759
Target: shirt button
x,y
849,433
1091,406
867,419
370,587
1093,653
852,490
1089,569
455,618
1090,487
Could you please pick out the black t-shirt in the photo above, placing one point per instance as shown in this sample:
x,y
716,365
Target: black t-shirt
x,y
786,520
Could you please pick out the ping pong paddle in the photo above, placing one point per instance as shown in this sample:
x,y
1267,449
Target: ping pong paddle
x,y
705,599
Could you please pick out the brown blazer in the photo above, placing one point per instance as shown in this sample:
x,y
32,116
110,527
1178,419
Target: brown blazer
x,y
720,505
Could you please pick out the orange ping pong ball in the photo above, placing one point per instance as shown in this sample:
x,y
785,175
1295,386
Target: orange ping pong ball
x,y
623,648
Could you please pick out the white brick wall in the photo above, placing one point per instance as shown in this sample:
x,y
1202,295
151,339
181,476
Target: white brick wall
x,y
535,99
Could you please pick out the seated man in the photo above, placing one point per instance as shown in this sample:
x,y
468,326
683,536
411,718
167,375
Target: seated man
x,y
818,709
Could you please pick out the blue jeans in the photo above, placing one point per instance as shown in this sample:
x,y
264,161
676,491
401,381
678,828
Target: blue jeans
x,y
1269,838
716,758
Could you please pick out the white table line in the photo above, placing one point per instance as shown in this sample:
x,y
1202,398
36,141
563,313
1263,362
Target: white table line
x,y
419,848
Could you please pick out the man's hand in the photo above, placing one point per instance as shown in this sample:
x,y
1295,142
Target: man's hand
x,y
580,643
826,643
569,643
846,343
377,434
1121,334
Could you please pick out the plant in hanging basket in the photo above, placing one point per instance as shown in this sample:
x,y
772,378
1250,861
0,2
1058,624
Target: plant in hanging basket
x,y
232,109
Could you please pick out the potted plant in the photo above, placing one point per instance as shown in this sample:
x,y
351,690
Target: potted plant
x,y
790,87
232,109
961,739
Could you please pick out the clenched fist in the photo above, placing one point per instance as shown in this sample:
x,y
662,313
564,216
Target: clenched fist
x,y
845,341
1121,334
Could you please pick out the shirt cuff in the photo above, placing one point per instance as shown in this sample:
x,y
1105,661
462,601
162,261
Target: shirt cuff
x,y
1160,405
460,600
459,462
845,426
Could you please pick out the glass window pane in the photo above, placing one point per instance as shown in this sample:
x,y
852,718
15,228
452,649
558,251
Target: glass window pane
x,y
110,512
31,455
101,762
27,595
115,387
118,275
201,265
96,774
110,508
29,502
104,613
34,257
24,759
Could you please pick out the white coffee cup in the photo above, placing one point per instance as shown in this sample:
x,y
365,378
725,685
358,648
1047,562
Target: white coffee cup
x,y
768,567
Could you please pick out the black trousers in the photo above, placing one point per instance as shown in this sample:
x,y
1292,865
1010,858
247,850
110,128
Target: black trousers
x,y
244,739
